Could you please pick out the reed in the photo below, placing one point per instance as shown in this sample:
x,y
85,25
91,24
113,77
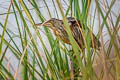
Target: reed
x,y
41,56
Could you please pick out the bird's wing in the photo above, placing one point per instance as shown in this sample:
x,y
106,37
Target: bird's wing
x,y
76,30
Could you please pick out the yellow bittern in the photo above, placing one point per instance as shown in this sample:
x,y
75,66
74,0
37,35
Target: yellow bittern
x,y
59,30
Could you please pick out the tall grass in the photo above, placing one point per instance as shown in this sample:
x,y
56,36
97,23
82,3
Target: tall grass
x,y
37,61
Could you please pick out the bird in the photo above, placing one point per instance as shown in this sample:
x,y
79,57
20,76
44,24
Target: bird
x,y
76,28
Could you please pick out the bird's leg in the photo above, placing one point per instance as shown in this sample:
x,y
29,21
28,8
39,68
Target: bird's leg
x,y
74,65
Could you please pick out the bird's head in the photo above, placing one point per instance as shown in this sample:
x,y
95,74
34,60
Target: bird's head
x,y
52,23
57,27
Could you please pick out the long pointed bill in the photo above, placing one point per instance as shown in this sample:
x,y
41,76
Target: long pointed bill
x,y
46,23
39,24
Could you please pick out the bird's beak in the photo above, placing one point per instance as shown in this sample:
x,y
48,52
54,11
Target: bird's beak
x,y
39,24
43,24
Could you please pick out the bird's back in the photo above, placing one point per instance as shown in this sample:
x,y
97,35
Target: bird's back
x,y
77,31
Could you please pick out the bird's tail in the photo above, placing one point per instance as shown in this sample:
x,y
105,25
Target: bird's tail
x,y
96,43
